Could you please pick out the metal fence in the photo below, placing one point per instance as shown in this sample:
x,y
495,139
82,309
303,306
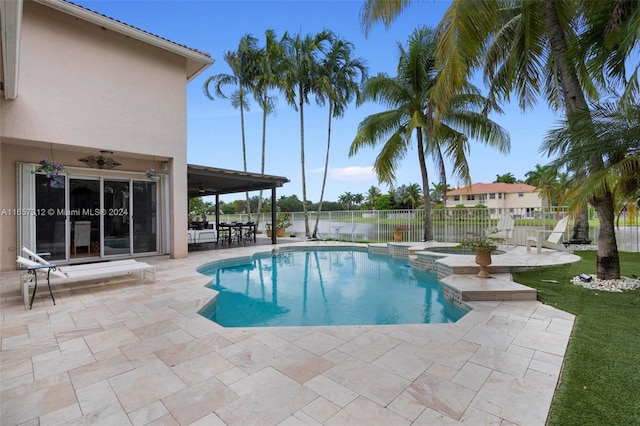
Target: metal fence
x,y
448,225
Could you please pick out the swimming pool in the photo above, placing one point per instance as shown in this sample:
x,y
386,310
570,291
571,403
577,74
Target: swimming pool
x,y
324,287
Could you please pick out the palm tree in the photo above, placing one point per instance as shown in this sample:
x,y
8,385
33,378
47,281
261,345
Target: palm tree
x,y
346,199
617,138
300,69
243,63
408,95
337,85
534,46
372,196
544,178
268,77
412,195
439,192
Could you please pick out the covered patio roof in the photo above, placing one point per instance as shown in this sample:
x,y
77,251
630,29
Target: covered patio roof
x,y
203,181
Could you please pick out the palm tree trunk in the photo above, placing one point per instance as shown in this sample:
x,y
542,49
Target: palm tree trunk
x,y
304,181
580,234
264,145
427,234
244,149
326,167
608,263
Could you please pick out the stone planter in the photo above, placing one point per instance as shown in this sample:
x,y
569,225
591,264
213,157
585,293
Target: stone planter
x,y
483,259
280,232
397,236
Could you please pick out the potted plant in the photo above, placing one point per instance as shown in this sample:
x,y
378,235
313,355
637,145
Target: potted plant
x,y
283,221
49,167
483,247
398,230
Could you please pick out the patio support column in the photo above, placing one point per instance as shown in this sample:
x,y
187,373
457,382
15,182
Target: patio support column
x,y
273,216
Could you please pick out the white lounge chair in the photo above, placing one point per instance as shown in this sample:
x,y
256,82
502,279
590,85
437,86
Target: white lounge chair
x,y
553,241
66,274
503,230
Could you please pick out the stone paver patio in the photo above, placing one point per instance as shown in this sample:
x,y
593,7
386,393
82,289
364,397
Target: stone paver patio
x,y
136,352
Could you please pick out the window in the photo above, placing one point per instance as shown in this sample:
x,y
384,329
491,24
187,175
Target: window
x,y
483,199
520,194
492,196
500,195
456,198
471,197
492,211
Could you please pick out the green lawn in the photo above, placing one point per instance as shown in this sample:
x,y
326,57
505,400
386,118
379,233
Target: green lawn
x,y
600,384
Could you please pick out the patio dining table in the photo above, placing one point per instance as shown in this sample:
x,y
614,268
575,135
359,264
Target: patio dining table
x,y
240,231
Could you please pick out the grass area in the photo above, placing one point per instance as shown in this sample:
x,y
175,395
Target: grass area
x,y
600,384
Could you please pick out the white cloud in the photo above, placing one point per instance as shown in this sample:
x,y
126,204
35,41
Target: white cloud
x,y
352,173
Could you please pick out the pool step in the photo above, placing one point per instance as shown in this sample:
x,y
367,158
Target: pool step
x,y
498,288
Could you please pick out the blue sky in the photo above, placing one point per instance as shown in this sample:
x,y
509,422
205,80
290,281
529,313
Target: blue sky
x,y
214,126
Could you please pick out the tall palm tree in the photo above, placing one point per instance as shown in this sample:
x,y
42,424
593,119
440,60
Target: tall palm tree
x,y
412,195
244,64
338,84
409,97
346,199
538,46
300,69
268,76
372,195
544,178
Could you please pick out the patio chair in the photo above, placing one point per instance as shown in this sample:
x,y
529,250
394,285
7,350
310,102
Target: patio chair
x,y
67,274
503,230
552,241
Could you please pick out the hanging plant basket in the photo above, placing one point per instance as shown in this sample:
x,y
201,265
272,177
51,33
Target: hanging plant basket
x,y
151,174
49,167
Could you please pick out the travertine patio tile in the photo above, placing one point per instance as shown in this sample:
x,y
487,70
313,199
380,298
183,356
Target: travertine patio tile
x,y
302,366
73,333
299,418
201,368
406,406
441,395
178,354
273,400
197,326
487,335
90,314
72,354
13,369
148,413
332,391
35,399
402,361
144,385
209,420
108,415
369,346
552,343
523,401
472,376
63,416
319,343
498,360
195,402
99,371
320,409
95,396
442,371
364,412
111,338
444,354
472,417
370,381
254,356
178,336
231,376
16,381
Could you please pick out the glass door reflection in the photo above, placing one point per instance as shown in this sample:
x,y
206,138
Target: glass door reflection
x,y
84,218
117,234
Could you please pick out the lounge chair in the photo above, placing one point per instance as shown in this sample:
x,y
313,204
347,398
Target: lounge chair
x,y
66,274
553,241
503,230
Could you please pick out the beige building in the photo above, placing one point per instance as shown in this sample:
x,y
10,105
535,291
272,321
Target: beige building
x,y
108,101
518,199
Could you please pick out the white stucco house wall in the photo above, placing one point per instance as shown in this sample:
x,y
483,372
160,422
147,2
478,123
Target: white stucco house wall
x,y
518,199
108,101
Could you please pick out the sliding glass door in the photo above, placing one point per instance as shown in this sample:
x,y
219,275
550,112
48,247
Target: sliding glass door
x,y
87,217
116,208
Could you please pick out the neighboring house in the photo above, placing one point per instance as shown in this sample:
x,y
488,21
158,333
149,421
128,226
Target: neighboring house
x,y
519,199
108,101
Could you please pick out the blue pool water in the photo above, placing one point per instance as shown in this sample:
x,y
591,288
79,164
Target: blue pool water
x,y
324,287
